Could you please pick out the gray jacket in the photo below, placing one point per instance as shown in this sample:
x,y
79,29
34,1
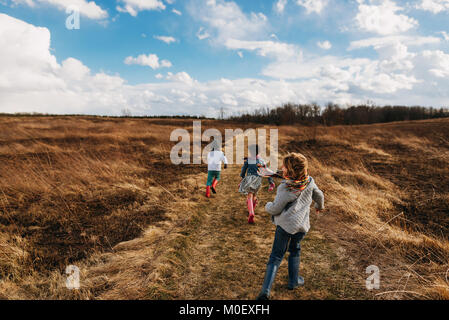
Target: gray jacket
x,y
291,211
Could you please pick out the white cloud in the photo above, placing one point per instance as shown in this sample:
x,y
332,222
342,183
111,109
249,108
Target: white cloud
x,y
225,20
445,35
434,63
183,77
133,7
381,17
278,50
87,8
179,13
230,27
151,60
325,45
378,42
228,100
312,6
434,6
280,6
202,34
165,39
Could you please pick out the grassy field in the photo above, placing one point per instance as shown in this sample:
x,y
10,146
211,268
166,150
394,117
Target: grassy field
x,y
102,194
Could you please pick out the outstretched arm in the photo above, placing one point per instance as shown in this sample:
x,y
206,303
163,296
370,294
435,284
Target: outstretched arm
x,y
318,197
225,161
267,173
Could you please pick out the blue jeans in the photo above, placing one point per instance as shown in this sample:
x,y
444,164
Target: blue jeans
x,y
283,241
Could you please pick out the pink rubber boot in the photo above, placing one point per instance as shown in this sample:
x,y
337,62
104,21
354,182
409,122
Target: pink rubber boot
x,y
255,202
249,203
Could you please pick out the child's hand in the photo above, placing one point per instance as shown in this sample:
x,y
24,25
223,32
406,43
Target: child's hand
x,y
225,166
264,172
318,211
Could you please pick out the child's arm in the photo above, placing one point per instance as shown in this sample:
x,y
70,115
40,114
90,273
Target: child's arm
x,y
318,197
244,168
225,161
283,198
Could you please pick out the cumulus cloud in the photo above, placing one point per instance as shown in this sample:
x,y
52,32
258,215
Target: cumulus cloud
x,y
378,42
445,35
179,13
165,39
280,6
202,34
150,60
87,8
325,45
225,20
133,7
228,26
312,6
278,50
183,77
434,6
383,17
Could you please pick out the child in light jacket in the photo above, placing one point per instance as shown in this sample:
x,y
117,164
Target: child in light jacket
x,y
214,160
290,213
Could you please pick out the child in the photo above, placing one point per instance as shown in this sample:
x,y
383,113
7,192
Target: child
x,y
290,213
214,160
251,184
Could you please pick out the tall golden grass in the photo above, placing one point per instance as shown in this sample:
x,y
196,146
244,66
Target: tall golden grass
x,y
102,193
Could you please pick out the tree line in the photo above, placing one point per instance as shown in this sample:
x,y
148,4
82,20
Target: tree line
x,y
333,114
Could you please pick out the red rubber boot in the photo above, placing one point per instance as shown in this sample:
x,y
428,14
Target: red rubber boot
x,y
208,192
249,202
214,185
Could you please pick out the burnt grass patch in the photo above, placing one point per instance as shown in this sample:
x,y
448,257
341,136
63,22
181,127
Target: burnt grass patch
x,y
63,232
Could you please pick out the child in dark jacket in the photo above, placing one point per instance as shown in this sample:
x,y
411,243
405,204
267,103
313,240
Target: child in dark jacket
x,y
252,181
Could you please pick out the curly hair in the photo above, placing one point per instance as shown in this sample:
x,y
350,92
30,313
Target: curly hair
x,y
296,165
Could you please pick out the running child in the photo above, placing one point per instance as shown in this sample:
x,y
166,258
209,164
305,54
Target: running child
x,y
252,181
290,213
214,160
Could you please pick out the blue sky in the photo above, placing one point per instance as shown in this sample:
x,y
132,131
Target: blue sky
x,y
237,55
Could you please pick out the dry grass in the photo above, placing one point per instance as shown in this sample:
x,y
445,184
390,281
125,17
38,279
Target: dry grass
x,y
387,198
102,194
